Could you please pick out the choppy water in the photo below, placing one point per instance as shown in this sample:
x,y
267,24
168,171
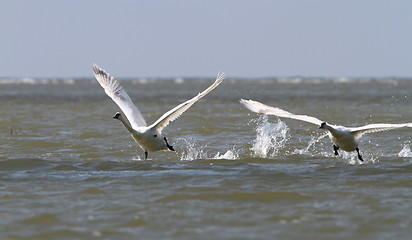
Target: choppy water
x,y
69,171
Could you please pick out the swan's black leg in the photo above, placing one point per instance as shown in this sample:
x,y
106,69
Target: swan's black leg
x,y
336,148
359,156
168,146
145,155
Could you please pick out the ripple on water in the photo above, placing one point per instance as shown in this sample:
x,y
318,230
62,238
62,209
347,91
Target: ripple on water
x,y
24,164
240,196
41,219
92,191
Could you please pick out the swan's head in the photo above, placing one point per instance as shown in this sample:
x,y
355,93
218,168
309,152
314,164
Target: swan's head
x,y
117,115
323,125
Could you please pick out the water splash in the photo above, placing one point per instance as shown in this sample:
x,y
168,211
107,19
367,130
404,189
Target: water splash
x,y
229,154
405,152
191,151
270,137
137,158
313,140
350,157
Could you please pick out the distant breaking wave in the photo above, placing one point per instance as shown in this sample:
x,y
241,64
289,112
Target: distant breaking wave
x,y
179,80
35,81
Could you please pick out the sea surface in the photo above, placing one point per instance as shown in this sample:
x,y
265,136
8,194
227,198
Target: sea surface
x,y
68,170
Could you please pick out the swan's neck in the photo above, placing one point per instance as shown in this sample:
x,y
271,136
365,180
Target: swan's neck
x,y
126,124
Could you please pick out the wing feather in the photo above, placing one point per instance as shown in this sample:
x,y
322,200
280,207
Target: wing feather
x,y
258,107
116,92
176,112
377,127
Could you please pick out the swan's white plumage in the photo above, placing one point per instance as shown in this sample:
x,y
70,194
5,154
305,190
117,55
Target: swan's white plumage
x,y
345,138
258,107
116,92
176,112
149,137
378,127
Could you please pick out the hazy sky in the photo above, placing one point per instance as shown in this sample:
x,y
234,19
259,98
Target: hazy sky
x,y
172,38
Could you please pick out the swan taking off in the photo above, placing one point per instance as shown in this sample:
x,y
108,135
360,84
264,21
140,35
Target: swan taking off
x,y
345,138
150,138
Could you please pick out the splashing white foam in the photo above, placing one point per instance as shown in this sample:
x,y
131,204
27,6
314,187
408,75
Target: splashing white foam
x,y
137,158
313,140
270,137
191,151
350,157
229,154
405,152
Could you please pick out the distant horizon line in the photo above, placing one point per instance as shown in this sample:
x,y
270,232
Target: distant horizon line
x,y
231,77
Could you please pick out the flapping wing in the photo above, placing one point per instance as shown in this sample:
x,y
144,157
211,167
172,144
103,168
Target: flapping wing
x,y
176,112
115,91
378,127
258,107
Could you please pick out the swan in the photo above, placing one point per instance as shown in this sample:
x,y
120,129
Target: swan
x,y
345,138
149,138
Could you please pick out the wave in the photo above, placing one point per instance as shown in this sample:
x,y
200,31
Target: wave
x,y
38,81
233,80
24,164
240,196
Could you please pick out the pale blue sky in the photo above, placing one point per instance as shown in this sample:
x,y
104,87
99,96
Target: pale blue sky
x,y
172,38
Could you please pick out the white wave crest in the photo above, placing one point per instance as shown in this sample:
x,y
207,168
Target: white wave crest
x,y
38,81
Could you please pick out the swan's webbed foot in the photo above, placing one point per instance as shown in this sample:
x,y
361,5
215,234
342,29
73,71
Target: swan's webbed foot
x,y
359,156
169,146
336,148
145,155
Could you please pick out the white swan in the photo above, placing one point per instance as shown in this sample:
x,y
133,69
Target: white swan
x,y
150,138
345,138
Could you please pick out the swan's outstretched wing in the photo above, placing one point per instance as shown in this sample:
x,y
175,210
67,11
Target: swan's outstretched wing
x,y
372,128
115,91
258,107
173,114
